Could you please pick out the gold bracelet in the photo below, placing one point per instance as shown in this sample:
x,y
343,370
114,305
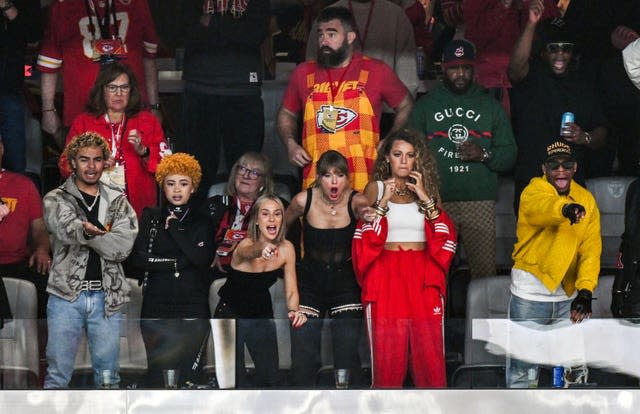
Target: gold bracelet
x,y
432,213
380,211
424,206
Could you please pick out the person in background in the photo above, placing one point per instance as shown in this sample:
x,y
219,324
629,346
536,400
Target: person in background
x,y
341,97
222,102
401,256
136,140
557,254
92,228
20,24
24,241
173,250
471,138
545,86
625,295
257,262
492,26
80,37
375,21
327,283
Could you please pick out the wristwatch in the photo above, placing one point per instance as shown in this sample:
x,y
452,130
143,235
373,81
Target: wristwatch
x,y
486,155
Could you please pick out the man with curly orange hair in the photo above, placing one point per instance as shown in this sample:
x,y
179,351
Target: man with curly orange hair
x,y
92,228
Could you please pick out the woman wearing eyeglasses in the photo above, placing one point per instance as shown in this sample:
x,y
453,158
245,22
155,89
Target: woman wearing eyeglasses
x,y
250,178
114,110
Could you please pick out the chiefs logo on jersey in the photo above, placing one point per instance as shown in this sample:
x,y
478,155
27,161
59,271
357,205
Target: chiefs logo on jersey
x,y
332,118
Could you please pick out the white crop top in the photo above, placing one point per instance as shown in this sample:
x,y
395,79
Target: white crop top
x,y
405,222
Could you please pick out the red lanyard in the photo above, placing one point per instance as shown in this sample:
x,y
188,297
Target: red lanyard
x,y
336,88
363,39
116,137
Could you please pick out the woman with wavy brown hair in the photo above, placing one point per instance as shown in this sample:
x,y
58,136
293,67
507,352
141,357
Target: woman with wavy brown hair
x,y
401,255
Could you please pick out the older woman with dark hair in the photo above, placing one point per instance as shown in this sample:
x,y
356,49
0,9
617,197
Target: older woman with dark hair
x,y
114,110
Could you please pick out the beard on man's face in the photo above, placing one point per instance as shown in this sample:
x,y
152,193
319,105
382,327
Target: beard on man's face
x,y
459,88
330,58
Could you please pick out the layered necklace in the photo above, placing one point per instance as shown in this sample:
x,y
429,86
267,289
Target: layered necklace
x,y
332,204
402,192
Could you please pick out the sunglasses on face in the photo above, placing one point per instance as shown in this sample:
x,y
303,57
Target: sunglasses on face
x,y
555,164
248,172
560,47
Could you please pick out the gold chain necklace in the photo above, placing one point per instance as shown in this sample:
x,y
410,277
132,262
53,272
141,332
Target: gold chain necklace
x,y
404,192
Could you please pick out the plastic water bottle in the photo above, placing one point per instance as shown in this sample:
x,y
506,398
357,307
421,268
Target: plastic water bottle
x,y
421,58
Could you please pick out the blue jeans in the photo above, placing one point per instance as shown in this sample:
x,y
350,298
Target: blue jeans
x,y
544,313
13,132
66,322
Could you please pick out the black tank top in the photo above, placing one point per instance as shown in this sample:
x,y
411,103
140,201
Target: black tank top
x,y
248,293
328,246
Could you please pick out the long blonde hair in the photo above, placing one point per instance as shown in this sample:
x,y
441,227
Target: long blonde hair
x,y
425,162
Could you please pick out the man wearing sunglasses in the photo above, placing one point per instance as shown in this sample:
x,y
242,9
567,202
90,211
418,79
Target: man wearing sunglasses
x,y
544,89
557,255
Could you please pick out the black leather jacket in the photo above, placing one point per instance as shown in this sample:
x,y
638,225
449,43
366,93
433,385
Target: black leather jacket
x,y
626,286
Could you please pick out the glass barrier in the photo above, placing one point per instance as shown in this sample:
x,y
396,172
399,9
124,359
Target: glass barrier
x,y
203,354
549,353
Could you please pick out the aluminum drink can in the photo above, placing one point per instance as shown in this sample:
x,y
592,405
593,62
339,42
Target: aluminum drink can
x,y
558,377
567,117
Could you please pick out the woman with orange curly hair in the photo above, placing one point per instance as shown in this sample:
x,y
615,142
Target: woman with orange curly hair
x,y
401,256
173,251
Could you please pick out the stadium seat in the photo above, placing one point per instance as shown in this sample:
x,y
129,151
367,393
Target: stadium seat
x,y
505,225
19,337
610,194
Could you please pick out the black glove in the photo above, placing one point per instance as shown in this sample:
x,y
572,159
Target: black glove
x,y
571,212
582,302
617,303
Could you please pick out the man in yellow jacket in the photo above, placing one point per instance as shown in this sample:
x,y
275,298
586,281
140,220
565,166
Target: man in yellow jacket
x,y
557,255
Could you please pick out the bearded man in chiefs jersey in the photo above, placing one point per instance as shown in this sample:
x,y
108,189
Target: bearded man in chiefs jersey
x,y
340,95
